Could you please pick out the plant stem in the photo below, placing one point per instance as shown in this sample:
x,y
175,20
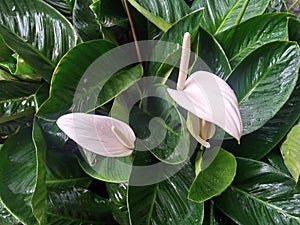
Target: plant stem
x,y
133,32
293,5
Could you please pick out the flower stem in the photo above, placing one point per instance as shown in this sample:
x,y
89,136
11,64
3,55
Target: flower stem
x,y
137,48
293,5
184,62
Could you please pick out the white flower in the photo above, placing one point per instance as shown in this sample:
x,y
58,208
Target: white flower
x,y
102,135
208,99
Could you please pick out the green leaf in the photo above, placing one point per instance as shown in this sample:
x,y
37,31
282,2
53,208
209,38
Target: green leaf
x,y
265,28
40,35
117,193
5,51
213,55
65,7
77,206
40,194
260,195
213,180
16,100
5,216
148,204
16,89
290,150
79,83
110,16
266,78
18,175
84,21
63,171
294,29
109,169
155,19
160,130
220,15
216,217
162,14
268,136
53,135
12,127
275,159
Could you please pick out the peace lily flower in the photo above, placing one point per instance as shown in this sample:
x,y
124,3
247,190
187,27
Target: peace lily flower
x,y
102,135
208,99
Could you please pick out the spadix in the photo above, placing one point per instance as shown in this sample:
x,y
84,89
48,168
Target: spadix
x,y
208,99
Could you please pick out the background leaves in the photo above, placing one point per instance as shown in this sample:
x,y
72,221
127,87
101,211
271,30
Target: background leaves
x,y
36,32
273,201
221,15
263,84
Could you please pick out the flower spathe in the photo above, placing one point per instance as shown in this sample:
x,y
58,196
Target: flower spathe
x,y
102,135
209,100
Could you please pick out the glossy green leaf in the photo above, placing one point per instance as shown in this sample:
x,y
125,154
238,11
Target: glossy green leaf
x,y
220,15
269,135
290,150
18,175
155,19
215,217
294,29
65,7
16,100
260,195
5,217
110,16
84,21
96,83
265,28
6,76
162,14
24,71
266,78
77,206
213,180
40,35
39,196
275,159
169,10
148,204
212,54
14,89
53,135
12,127
63,170
161,130
118,198
110,169
5,51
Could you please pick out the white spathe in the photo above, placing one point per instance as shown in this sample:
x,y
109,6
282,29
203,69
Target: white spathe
x,y
102,135
211,99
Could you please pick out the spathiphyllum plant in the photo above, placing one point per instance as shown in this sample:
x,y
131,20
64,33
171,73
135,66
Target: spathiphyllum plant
x,y
149,112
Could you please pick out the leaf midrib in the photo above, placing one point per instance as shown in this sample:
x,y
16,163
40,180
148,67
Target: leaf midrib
x,y
58,181
226,17
266,204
